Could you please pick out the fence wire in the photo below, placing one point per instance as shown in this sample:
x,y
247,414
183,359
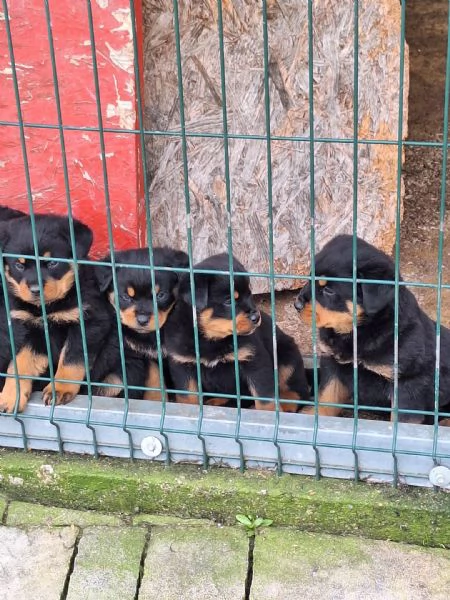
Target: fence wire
x,y
357,447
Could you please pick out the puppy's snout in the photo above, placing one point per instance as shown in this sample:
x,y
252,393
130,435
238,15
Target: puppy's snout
x,y
142,319
299,303
255,317
34,288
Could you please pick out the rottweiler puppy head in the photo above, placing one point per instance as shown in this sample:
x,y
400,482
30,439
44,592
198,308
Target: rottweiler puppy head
x,y
334,300
53,241
213,300
134,286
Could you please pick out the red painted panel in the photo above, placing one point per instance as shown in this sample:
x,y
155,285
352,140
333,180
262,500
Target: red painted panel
x,y
115,58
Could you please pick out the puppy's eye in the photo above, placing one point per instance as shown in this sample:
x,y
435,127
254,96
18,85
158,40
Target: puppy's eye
x,y
19,265
52,264
227,301
125,297
161,296
328,291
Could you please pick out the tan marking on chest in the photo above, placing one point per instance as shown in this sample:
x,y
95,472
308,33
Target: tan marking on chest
x,y
244,354
385,371
333,392
61,316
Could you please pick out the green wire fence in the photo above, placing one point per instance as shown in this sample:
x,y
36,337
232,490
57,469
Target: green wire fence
x,y
357,448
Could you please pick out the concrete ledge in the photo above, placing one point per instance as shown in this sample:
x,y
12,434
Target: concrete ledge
x,y
118,486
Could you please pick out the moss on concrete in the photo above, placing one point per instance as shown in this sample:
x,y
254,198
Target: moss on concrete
x,y
168,521
323,566
328,506
24,514
195,562
107,564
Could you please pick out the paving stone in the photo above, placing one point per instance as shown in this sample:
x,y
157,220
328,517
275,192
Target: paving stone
x,y
25,514
34,563
289,565
107,564
190,563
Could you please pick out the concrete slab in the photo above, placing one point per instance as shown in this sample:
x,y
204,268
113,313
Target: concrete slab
x,y
34,563
190,563
107,564
26,514
289,565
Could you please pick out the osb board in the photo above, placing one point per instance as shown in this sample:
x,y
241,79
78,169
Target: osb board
x,y
333,72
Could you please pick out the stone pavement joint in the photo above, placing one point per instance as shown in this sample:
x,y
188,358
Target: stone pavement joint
x,y
170,559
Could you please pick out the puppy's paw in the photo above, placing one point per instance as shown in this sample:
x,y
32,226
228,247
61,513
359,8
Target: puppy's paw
x,y
153,395
64,393
323,411
8,402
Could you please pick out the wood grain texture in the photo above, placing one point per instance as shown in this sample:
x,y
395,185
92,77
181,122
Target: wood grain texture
x,y
378,99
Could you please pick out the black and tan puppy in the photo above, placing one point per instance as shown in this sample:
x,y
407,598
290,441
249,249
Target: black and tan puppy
x,y
6,214
137,315
215,328
61,306
375,316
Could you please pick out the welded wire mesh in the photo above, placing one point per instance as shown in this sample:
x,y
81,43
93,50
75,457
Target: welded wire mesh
x,y
273,439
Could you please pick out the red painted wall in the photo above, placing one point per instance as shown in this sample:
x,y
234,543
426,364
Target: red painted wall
x,y
115,57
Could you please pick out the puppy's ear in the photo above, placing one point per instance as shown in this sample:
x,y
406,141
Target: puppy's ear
x,y
376,297
201,290
83,238
7,213
178,258
4,235
103,274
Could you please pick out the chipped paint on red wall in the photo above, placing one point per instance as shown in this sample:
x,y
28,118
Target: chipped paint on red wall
x,y
73,53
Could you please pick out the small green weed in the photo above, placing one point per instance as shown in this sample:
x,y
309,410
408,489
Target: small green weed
x,y
253,524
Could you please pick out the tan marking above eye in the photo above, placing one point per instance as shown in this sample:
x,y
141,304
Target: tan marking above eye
x,y
323,282
47,254
21,260
236,295
131,291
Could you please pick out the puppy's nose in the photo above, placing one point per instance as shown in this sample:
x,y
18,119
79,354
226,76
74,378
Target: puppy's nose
x,y
255,316
34,288
142,319
299,303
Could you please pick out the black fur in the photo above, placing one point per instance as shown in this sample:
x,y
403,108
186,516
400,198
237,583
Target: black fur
x,y
6,214
416,333
53,241
256,364
140,345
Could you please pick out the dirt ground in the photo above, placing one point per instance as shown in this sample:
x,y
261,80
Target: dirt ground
x,y
426,34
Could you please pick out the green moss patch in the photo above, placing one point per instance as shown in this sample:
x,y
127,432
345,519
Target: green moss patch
x,y
411,515
25,514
